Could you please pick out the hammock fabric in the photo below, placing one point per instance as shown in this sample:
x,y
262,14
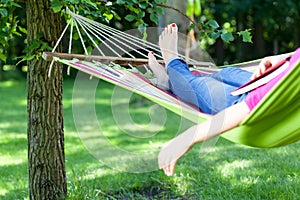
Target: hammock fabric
x,y
274,122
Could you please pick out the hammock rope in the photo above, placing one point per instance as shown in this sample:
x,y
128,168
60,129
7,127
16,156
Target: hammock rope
x,y
116,35
257,130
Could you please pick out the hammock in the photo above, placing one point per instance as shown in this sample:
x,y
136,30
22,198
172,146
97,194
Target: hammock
x,y
274,122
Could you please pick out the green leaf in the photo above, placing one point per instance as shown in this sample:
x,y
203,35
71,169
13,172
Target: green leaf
x,y
159,10
191,27
143,5
2,57
197,6
57,9
202,33
213,24
108,16
26,58
142,28
16,5
23,30
153,17
227,37
55,3
130,17
246,35
120,2
4,1
214,35
30,57
75,36
141,15
74,1
56,6
116,16
190,8
3,12
90,3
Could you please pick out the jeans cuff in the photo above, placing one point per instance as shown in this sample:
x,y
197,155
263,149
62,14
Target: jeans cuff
x,y
170,60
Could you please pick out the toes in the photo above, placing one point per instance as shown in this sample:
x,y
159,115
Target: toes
x,y
151,57
150,54
169,29
174,28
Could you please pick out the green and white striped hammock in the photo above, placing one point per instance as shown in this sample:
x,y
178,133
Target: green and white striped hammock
x,y
274,122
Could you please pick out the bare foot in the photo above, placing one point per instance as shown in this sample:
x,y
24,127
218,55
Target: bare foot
x,y
168,42
158,70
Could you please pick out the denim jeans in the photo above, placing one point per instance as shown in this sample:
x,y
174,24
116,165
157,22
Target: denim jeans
x,y
211,93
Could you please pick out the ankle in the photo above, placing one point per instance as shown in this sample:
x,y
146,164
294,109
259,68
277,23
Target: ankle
x,y
171,59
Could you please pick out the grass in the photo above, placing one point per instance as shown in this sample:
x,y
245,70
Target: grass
x,y
100,165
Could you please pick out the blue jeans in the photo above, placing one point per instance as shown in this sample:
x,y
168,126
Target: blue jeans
x,y
211,93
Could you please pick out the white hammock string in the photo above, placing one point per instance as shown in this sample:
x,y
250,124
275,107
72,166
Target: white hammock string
x,y
118,36
113,39
110,40
61,36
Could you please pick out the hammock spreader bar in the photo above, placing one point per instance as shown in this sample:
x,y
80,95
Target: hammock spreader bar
x,y
48,56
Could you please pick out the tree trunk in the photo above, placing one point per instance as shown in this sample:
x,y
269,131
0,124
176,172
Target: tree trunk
x,y
297,32
220,52
259,39
46,157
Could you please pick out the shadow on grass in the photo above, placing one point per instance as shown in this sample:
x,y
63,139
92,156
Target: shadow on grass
x,y
228,172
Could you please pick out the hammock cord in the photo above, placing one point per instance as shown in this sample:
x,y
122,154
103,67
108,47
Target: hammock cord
x,y
55,46
70,45
117,37
71,38
113,37
61,36
84,28
81,39
107,41
132,40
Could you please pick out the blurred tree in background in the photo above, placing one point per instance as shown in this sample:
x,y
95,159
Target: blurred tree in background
x,y
274,25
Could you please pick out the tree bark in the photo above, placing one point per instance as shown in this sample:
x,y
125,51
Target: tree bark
x,y
46,157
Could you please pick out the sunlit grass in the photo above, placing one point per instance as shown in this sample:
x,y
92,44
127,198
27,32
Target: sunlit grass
x,y
227,171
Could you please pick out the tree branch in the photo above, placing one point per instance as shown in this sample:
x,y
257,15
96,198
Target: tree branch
x,y
179,11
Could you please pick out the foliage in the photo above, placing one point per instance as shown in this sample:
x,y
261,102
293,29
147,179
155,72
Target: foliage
x,y
138,10
210,28
8,25
223,19
193,7
34,49
108,10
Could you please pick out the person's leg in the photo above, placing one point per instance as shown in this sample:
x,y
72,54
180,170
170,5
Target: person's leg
x,y
232,76
159,72
209,94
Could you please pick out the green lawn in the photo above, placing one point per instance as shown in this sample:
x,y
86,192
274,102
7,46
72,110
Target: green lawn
x,y
100,163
